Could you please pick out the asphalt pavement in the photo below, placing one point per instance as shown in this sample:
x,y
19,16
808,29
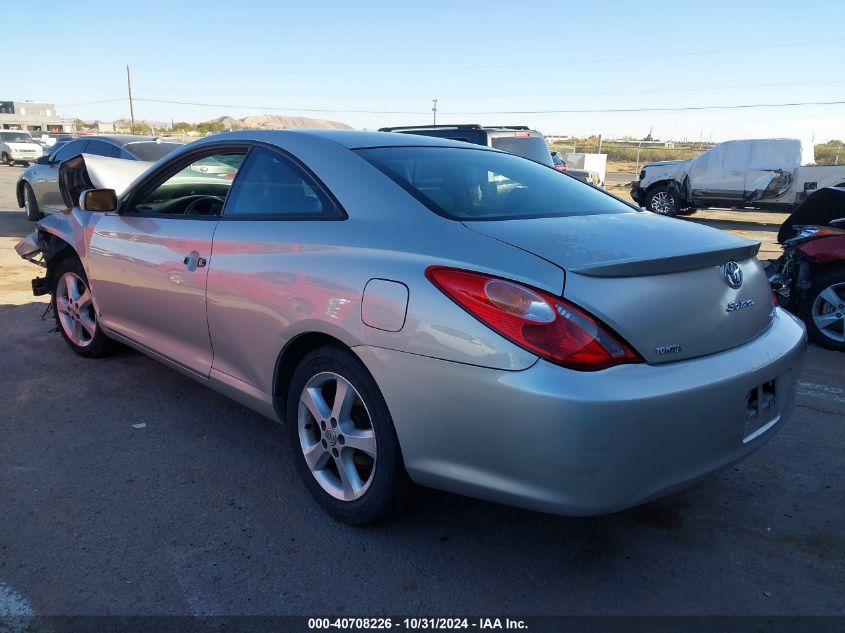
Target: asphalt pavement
x,y
129,489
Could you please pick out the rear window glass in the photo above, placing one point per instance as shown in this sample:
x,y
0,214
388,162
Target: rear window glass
x,y
150,150
530,147
469,184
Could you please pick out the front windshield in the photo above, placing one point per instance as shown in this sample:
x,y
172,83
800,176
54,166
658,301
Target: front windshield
x,y
470,184
16,137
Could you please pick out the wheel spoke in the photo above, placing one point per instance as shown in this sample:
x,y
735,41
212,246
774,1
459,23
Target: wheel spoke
x,y
315,456
61,304
84,299
77,333
362,440
343,398
826,320
349,478
72,290
829,295
88,324
316,404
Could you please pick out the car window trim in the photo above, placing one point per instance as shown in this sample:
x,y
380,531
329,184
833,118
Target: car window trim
x,y
171,169
340,213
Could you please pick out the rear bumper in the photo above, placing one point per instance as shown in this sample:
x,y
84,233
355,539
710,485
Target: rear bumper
x,y
578,443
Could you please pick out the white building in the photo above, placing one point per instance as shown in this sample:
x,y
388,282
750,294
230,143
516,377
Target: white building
x,y
32,116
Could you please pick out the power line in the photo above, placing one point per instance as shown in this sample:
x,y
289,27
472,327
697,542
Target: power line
x,y
513,95
661,109
454,112
288,109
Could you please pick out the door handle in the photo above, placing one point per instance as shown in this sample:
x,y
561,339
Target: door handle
x,y
194,261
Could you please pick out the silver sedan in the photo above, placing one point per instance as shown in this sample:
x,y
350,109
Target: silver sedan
x,y
420,310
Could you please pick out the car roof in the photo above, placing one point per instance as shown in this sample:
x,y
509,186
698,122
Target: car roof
x,y
127,139
351,139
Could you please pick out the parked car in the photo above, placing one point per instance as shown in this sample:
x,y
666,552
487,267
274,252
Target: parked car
x,y
38,189
56,137
418,309
17,146
772,174
591,178
809,278
515,139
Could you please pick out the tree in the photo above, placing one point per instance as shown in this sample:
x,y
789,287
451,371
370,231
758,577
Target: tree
x,y
209,126
183,126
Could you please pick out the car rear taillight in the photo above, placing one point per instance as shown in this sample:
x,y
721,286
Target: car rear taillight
x,y
543,324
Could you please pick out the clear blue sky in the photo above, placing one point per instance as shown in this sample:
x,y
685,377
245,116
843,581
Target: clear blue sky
x,y
481,59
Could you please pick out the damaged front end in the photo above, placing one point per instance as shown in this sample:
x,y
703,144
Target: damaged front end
x,y
61,234
42,249
31,248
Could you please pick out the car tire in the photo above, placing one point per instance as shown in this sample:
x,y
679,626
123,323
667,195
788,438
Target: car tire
x,y
74,312
354,467
823,310
30,205
4,159
661,201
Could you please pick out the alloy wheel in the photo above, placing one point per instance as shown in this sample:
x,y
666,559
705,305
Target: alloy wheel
x,y
661,203
829,312
336,436
76,310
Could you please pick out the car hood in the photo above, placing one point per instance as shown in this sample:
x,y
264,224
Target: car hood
x,y
662,163
87,171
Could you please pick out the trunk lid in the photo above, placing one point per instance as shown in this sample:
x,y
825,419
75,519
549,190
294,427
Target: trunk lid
x,y
657,282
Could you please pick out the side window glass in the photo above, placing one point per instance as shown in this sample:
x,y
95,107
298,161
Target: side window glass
x,y
69,151
100,148
271,185
198,189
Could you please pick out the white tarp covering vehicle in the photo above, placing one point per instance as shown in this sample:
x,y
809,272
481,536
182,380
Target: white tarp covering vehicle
x,y
773,174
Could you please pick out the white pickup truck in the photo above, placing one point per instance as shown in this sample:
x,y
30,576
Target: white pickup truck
x,y
771,174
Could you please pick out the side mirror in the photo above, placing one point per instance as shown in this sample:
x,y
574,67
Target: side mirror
x,y
42,160
98,200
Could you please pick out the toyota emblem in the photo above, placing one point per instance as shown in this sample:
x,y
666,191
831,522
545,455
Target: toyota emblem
x,y
732,274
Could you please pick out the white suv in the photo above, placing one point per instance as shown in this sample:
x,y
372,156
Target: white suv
x,y
17,146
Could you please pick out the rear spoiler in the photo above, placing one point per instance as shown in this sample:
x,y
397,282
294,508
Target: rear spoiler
x,y
673,264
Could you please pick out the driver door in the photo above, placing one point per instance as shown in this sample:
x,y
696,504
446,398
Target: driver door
x,y
148,263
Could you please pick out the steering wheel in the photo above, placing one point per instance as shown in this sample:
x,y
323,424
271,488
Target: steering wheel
x,y
204,205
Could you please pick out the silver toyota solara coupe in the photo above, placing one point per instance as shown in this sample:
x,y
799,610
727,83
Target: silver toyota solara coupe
x,y
422,310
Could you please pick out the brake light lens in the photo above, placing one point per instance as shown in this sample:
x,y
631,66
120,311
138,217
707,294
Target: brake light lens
x,y
544,325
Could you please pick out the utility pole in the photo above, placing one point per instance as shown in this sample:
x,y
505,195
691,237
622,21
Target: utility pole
x,y
434,110
131,107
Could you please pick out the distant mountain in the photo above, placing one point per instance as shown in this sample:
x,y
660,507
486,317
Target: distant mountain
x,y
277,122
